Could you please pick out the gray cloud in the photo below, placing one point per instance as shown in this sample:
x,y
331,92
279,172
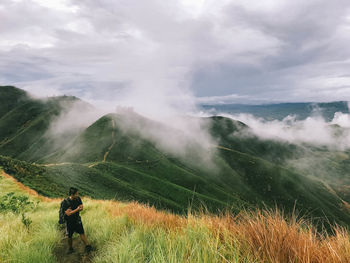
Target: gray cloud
x,y
157,56
313,55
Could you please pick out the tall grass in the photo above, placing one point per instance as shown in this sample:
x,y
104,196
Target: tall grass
x,y
130,232
34,244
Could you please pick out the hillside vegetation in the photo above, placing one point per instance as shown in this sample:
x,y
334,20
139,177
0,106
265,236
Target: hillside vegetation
x,y
116,158
131,232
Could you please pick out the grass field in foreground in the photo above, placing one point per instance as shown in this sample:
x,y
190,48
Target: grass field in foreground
x,y
130,232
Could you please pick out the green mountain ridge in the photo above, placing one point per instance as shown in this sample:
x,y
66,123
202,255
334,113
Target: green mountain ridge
x,y
114,159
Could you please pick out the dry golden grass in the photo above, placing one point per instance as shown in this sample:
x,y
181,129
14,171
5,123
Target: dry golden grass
x,y
269,236
148,216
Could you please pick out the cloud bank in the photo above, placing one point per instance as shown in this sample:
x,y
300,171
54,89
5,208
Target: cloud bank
x,y
314,130
163,57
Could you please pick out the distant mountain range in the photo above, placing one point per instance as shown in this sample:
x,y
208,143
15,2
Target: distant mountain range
x,y
112,158
282,110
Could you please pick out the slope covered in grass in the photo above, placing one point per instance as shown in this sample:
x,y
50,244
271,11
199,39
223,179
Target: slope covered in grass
x,y
119,157
10,98
25,121
130,232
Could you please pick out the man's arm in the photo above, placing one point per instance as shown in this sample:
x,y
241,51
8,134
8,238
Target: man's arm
x,y
81,204
70,212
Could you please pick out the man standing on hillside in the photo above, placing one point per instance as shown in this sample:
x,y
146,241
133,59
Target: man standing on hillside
x,y
71,208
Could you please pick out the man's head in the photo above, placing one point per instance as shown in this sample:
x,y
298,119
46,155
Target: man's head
x,y
73,192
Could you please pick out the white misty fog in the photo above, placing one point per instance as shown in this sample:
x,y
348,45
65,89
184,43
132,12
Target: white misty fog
x,y
180,136
313,130
75,117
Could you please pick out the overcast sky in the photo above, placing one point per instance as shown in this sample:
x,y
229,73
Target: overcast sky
x,y
177,53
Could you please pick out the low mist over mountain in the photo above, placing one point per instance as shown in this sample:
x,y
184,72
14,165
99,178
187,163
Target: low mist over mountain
x,y
215,162
301,111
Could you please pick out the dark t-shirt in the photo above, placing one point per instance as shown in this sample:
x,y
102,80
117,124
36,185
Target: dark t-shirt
x,y
72,204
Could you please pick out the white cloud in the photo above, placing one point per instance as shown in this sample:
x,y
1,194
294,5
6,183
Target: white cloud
x,y
313,130
155,49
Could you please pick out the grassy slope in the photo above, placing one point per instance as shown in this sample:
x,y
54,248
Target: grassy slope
x,y
273,169
139,165
25,122
249,170
109,180
270,184
11,97
129,232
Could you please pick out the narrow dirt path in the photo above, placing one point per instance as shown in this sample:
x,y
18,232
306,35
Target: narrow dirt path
x,y
78,256
113,142
54,164
60,251
223,148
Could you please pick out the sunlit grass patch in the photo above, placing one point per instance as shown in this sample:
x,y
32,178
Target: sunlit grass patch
x,y
131,232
